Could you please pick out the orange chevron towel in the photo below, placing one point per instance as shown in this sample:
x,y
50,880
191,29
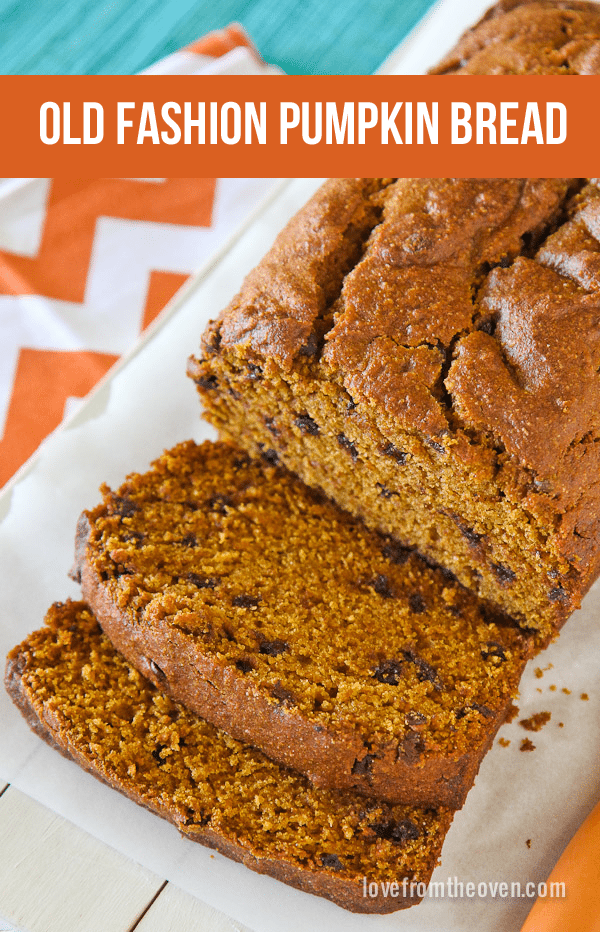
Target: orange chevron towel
x,y
87,265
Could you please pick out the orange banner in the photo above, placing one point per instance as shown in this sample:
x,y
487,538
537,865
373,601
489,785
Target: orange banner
x,y
258,126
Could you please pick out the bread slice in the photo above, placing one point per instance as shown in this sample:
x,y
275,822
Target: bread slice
x,y
264,608
84,699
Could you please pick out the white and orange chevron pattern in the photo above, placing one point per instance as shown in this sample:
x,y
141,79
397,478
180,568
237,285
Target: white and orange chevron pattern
x,y
86,265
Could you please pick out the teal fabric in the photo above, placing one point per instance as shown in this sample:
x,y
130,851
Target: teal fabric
x,y
125,36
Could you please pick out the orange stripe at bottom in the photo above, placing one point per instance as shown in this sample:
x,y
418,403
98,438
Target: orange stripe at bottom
x,y
579,869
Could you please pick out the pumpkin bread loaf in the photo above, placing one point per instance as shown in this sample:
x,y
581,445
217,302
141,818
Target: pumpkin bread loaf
x,y
441,381
426,351
261,606
83,698
530,37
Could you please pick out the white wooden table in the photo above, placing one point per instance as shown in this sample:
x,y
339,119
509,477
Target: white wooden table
x,y
71,882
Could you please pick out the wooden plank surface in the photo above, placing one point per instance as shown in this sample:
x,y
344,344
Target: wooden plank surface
x,y
54,877
176,910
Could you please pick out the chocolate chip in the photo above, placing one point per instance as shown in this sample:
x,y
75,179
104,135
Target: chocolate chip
x,y
158,673
542,485
381,585
494,649
415,720
332,861
189,540
219,503
394,453
416,603
310,348
194,818
398,832
244,666
134,537
396,553
467,532
411,747
435,446
347,445
503,573
270,456
246,601
212,345
241,461
385,492
486,326
121,570
283,695
306,425
558,595
208,382
270,425
272,648
156,754
364,766
388,671
482,709
425,672
442,570
203,582
123,506
254,372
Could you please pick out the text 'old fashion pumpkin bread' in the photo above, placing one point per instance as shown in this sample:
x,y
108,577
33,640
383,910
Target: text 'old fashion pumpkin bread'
x,y
265,609
440,380
83,698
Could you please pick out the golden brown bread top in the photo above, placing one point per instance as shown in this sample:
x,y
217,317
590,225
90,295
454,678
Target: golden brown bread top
x,y
321,243
411,297
530,37
452,269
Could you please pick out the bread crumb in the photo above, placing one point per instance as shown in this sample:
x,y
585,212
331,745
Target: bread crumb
x,y
539,672
504,742
552,688
528,842
561,724
539,690
566,691
535,722
527,745
585,697
513,711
